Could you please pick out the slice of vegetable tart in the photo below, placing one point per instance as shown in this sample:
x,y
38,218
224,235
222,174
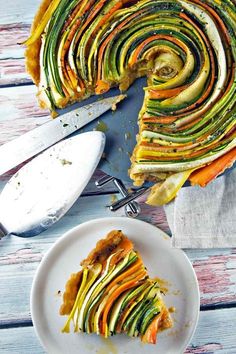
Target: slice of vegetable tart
x,y
114,294
187,51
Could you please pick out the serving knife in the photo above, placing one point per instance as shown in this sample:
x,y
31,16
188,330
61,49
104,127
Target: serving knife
x,y
33,142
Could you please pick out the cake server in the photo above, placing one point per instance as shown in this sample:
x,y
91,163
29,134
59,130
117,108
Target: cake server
x,y
42,191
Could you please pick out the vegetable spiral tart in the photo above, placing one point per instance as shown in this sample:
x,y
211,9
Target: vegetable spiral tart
x,y
114,294
187,50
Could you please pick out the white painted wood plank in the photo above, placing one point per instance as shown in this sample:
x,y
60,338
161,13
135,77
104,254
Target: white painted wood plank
x,y
216,273
17,11
19,112
20,340
215,334
12,62
11,36
12,72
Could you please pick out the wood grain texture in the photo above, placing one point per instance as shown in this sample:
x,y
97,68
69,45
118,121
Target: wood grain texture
x,y
12,62
18,11
11,37
12,72
216,273
215,334
19,112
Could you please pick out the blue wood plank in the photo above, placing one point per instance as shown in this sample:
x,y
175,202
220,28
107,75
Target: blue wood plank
x,y
18,11
215,334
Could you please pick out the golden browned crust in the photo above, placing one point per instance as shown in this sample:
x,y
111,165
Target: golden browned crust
x,y
166,320
105,247
32,52
70,293
114,241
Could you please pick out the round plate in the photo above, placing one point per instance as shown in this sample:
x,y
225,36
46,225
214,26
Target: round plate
x,y
161,260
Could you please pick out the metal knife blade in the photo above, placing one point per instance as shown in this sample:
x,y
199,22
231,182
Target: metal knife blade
x,y
31,143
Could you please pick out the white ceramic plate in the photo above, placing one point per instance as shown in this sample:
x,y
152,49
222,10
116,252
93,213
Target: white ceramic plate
x,y
160,259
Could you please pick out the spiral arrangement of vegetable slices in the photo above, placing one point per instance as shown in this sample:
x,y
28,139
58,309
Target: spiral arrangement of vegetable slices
x,y
187,50
113,294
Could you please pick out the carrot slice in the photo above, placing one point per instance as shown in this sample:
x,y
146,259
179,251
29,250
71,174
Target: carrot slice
x,y
134,58
128,285
206,174
105,43
101,87
126,274
161,94
150,335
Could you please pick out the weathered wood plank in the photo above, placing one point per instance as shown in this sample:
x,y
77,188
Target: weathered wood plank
x,y
215,334
11,36
12,72
20,103
19,112
17,11
216,275
12,62
20,340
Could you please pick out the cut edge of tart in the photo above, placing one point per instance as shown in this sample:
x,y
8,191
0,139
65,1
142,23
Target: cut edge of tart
x,y
113,293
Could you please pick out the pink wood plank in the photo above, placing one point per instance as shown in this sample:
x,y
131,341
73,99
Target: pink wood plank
x,y
19,112
206,348
216,276
12,72
12,63
23,255
10,37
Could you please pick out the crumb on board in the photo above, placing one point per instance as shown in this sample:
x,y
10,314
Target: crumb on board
x,y
65,162
101,126
127,136
172,309
114,198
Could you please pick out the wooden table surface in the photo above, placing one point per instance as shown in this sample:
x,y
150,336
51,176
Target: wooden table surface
x,y
19,258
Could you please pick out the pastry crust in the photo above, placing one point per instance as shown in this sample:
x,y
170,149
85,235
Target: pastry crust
x,y
105,247
32,52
